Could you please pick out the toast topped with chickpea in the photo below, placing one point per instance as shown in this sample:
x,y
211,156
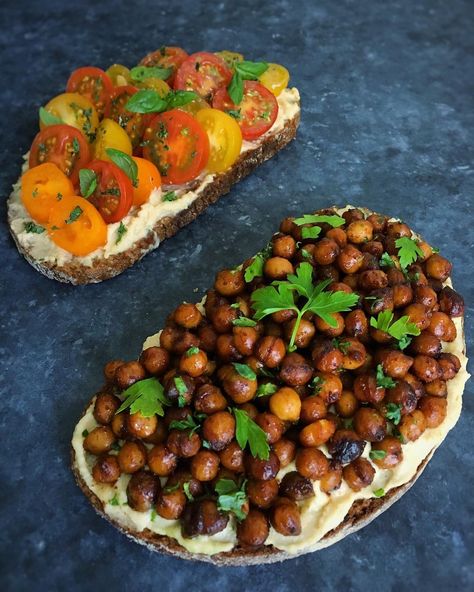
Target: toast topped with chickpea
x,y
300,399
125,158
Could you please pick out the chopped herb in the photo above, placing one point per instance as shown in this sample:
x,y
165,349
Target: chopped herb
x,y
266,389
34,228
59,196
341,345
235,113
306,254
435,249
87,182
116,446
171,488
317,384
248,432
185,424
310,231
379,492
121,230
399,329
170,196
334,221
48,118
182,390
74,215
187,491
235,305
244,371
146,397
377,454
114,501
140,73
206,444
231,497
408,251
153,515
124,162
85,433
394,412
34,193
348,423
75,146
382,380
386,260
192,351
244,322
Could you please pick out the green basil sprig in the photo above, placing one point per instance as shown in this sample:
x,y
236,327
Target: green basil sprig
x,y
150,101
244,70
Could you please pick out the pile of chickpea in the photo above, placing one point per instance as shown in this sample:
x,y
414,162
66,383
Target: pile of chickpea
x,y
326,405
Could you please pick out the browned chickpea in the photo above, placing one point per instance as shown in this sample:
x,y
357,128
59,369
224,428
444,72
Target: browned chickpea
x,y
186,341
304,333
271,424
142,490
258,468
106,469
347,404
325,251
328,272
140,426
262,493
352,215
110,368
327,329
375,248
426,296
239,388
118,425
393,452
359,474
187,315
282,316
170,504
245,339
160,433
350,259
395,276
131,457
354,353
277,268
426,344
296,487
369,424
351,281
286,404
326,356
340,287
426,368
311,463
345,446
438,267
398,229
161,460
360,231
205,465
105,407
402,394
169,337
230,282
451,302
372,279
176,414
219,429
253,531
193,362
222,318
313,408
232,457
418,315
417,386
207,338
379,222
295,370
378,301
394,363
402,295
332,479
272,329
270,351
287,226
434,409
437,388
155,360
412,426
202,517
328,386
285,517
226,349
209,399
179,388
99,440
129,373
357,325
317,433
442,326
183,443
449,365
367,390
250,409
338,235
284,246
285,450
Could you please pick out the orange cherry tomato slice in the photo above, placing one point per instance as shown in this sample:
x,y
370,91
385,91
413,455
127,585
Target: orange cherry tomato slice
x,y
149,178
166,57
64,146
76,226
204,73
257,111
133,123
178,145
42,188
113,195
92,83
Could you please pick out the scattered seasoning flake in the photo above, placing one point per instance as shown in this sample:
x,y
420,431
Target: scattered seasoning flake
x,y
114,501
34,228
74,215
122,229
170,196
379,492
85,433
153,515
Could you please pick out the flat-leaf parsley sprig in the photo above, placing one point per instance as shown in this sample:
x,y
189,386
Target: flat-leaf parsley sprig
x,y
308,232
400,329
284,295
146,397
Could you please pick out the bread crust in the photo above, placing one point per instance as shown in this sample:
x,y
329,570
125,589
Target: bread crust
x,y
106,268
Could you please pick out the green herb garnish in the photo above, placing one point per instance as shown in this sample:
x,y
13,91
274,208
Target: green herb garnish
x,y
121,230
408,251
85,433
124,162
231,497
150,101
34,228
377,454
74,215
334,221
400,329
386,261
87,182
244,322
394,413
187,491
170,196
382,380
146,397
244,371
379,492
244,70
48,118
266,389
141,73
114,501
182,390
192,351
185,424
248,432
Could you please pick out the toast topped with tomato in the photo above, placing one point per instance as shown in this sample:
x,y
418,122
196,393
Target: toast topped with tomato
x,y
126,157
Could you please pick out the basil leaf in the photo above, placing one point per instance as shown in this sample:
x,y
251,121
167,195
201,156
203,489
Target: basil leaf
x,y
236,88
48,118
87,182
124,162
122,229
178,98
34,228
140,73
74,215
250,70
170,196
146,101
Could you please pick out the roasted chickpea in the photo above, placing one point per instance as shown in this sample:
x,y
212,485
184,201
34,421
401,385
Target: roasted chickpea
x,y
193,362
426,368
304,333
313,408
181,476
317,433
202,517
296,487
325,251
311,463
250,409
438,267
271,424
253,530
226,348
412,425
426,296
332,479
347,404
170,336
326,356
354,353
129,373
345,446
118,425
338,235
140,426
417,314
285,450
286,404
372,279
417,386
393,452
176,414
360,231
245,339
270,351
451,302
170,504
402,295
258,468
378,301
375,248
285,517
99,440
161,460
239,388
232,457
155,360
326,328
284,246
205,465
159,434
437,388
359,474
187,315
219,429
350,259
434,409
426,344
131,457
209,399
442,326
402,394
230,282
207,338
394,363
367,390
262,493
222,318
110,368
328,272
449,365
295,370
398,229
105,407
106,469
277,268
328,386
183,443
142,490
352,215
357,325
370,425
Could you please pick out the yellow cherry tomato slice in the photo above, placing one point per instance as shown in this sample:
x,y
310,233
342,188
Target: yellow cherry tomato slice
x,y
161,87
110,135
75,110
76,226
148,178
225,138
119,75
275,78
42,188
230,57
194,106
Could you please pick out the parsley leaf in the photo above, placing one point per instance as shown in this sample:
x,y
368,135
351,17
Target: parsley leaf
x,y
187,491
121,230
244,371
382,380
399,329
114,501
140,73
377,454
248,432
185,424
192,351
266,389
244,322
124,162
310,231
146,397
182,390
87,182
341,345
231,497
48,118
334,221
386,260
408,251
394,412
170,196
85,433
153,515
74,215
34,228
379,492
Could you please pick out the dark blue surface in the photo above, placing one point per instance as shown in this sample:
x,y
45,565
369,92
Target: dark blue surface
x,y
388,121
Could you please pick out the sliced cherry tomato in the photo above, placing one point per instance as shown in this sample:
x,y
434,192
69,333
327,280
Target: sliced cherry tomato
x,y
42,188
257,111
133,123
177,144
74,109
225,138
113,195
275,78
166,57
92,83
64,146
118,74
230,57
161,87
195,106
76,226
110,135
148,179
204,73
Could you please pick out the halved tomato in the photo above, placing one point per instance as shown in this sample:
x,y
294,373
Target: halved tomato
x,y
204,73
148,179
63,145
225,139
133,123
113,195
178,145
257,111
166,57
75,110
92,83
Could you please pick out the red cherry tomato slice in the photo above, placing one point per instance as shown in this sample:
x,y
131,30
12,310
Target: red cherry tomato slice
x,y
166,57
257,110
63,145
133,123
178,145
204,73
113,195
92,83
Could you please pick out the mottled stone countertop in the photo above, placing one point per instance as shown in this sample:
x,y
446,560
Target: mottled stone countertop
x,y
387,122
